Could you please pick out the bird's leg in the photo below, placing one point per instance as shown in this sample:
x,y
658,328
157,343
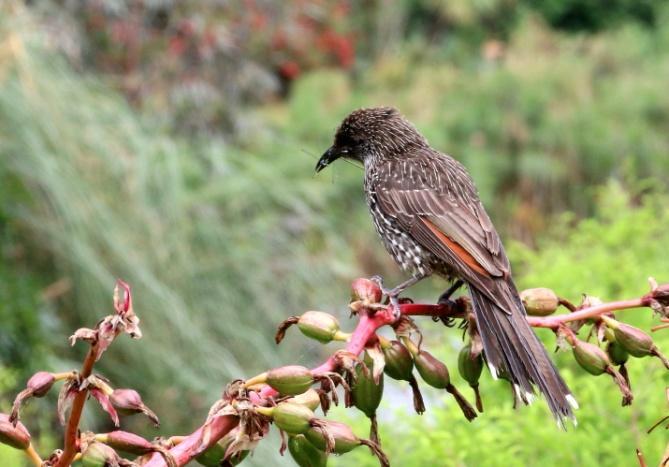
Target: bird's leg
x,y
445,298
394,293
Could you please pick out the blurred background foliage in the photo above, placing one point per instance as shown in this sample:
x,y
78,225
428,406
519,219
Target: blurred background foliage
x,y
172,144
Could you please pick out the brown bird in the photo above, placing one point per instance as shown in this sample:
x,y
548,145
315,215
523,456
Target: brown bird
x,y
427,211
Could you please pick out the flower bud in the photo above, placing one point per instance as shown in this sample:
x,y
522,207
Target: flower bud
x,y
435,373
99,455
40,383
540,301
399,363
126,442
331,436
318,325
590,357
14,436
617,353
290,380
306,454
129,402
310,399
366,290
366,393
636,342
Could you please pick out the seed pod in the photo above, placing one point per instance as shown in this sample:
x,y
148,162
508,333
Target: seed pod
x,y
14,436
306,454
367,395
470,369
399,364
634,340
129,402
99,455
310,399
366,290
290,380
318,325
215,455
590,357
617,353
540,301
292,418
435,373
40,383
331,436
126,442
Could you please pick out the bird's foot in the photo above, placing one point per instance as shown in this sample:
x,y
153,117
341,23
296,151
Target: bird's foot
x,y
392,295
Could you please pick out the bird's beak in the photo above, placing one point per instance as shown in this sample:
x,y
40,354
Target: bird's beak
x,y
327,158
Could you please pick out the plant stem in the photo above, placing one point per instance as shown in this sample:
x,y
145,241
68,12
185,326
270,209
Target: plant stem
x,y
72,430
33,456
555,321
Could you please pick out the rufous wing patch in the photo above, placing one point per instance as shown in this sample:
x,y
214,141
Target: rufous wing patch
x,y
459,251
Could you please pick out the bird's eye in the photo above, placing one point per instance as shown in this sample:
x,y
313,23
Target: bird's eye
x,y
344,151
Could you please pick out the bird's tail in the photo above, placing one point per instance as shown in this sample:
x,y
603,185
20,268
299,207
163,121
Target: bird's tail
x,y
510,346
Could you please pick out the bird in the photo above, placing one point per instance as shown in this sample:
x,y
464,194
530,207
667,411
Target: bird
x,y
427,211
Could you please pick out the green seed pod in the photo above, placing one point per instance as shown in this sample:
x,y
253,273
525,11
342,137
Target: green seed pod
x,y
617,353
330,436
310,399
99,455
366,393
14,436
433,372
469,368
306,454
399,363
344,438
290,380
213,457
318,325
540,301
590,357
634,340
292,418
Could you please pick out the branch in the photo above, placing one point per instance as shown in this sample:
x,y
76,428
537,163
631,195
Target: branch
x,y
72,430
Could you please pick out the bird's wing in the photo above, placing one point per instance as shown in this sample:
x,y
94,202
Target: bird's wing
x,y
433,197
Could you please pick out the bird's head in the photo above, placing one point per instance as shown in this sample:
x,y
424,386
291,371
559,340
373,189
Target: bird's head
x,y
379,132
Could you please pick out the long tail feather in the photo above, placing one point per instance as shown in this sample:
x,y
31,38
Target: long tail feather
x,y
511,346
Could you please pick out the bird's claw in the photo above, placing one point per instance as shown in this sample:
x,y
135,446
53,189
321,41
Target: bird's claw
x,y
393,297
395,304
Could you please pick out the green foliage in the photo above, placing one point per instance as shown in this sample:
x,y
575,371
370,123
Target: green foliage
x,y
538,124
220,244
610,257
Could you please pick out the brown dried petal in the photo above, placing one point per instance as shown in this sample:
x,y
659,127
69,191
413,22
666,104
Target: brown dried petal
x,y
84,334
65,396
378,361
106,404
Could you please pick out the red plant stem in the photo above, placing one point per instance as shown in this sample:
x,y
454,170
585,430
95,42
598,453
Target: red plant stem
x,y
186,450
365,331
70,444
555,321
